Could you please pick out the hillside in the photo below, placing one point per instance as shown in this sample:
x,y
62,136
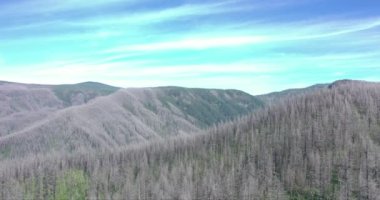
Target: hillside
x,y
126,117
25,104
320,145
205,106
22,105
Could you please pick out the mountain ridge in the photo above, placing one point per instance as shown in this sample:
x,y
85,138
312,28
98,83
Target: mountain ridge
x,y
128,116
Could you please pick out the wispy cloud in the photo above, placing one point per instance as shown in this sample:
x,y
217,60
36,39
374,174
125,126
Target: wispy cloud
x,y
109,24
53,6
245,36
322,29
149,69
59,11
187,10
193,43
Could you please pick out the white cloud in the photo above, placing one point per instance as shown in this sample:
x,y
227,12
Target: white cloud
x,y
193,43
325,28
108,25
51,6
185,10
344,56
245,35
171,13
146,69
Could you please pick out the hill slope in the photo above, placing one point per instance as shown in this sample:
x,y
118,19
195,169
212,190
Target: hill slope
x,y
321,145
128,116
24,104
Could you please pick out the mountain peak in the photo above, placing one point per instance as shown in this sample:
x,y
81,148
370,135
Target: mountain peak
x,y
342,82
72,94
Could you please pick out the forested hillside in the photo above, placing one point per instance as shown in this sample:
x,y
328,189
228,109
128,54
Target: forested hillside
x,y
323,144
22,105
126,117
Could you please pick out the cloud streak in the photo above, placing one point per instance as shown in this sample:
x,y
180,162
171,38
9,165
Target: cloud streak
x,y
315,30
193,44
53,6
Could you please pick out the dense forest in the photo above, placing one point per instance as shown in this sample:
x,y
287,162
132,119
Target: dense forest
x,y
319,144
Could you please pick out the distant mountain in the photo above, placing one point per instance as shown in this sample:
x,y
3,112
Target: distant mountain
x,y
278,96
126,117
275,97
208,106
316,145
77,94
347,82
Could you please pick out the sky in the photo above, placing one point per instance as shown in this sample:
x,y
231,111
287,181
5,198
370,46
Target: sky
x,y
257,46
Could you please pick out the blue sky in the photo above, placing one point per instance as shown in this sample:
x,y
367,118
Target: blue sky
x,y
253,45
